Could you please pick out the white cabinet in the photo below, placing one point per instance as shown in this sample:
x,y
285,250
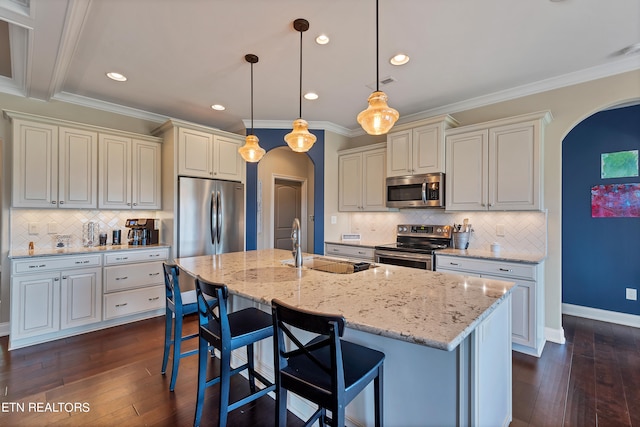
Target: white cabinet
x,y
496,165
53,166
418,149
349,251
133,282
50,294
207,155
129,173
527,298
361,179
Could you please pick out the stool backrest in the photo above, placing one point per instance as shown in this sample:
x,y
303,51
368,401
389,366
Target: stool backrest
x,y
210,296
172,285
329,329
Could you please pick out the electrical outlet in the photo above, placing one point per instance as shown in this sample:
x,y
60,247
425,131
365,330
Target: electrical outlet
x,y
500,230
34,228
632,294
334,219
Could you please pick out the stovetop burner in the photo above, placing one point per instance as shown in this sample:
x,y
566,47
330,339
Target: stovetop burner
x,y
423,239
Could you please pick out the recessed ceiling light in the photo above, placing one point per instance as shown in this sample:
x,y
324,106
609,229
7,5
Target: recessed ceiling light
x,y
322,39
117,76
218,107
399,59
311,96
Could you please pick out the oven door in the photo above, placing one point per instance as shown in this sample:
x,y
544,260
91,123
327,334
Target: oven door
x,y
404,259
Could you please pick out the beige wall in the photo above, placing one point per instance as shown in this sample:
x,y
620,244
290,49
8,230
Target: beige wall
x,y
569,106
281,162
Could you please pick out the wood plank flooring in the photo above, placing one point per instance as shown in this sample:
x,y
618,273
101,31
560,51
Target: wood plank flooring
x,y
594,379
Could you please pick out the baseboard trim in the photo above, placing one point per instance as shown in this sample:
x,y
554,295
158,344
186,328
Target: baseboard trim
x,y
4,329
602,315
555,335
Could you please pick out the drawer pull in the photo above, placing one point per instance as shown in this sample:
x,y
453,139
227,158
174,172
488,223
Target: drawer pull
x,y
122,278
361,252
154,255
86,261
121,305
124,258
453,263
504,269
335,249
154,299
154,274
38,266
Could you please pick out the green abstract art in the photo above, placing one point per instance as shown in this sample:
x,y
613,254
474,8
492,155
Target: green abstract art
x,y
619,165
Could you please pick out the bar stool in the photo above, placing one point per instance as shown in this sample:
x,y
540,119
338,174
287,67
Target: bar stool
x,y
178,305
327,370
227,332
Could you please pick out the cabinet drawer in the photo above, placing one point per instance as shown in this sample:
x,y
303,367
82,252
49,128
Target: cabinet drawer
x,y
483,267
56,263
127,257
131,276
350,251
136,301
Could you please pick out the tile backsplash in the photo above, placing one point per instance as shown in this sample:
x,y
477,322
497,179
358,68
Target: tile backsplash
x,y
524,232
67,222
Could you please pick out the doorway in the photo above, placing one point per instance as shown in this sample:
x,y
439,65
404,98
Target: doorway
x,y
287,205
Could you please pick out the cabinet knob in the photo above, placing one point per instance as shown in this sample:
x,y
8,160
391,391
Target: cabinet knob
x,y
53,202
62,202
135,204
128,204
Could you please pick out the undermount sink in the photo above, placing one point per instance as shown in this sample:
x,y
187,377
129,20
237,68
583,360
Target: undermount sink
x,y
331,265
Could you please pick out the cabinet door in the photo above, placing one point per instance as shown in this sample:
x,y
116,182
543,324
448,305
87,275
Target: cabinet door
x,y
399,153
374,180
81,298
35,305
350,182
467,174
523,311
514,171
145,192
115,172
427,149
77,169
195,153
35,165
227,163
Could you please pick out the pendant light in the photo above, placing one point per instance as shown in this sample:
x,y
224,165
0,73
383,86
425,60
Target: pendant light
x,y
300,139
378,118
251,152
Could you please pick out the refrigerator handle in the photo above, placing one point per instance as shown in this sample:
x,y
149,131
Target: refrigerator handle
x,y
213,209
219,218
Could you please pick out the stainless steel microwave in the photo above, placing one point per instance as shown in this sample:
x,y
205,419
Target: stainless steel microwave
x,y
416,191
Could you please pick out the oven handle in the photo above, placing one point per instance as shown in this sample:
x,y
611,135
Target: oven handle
x,y
397,255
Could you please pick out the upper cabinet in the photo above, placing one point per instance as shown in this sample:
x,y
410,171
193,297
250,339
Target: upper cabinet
x,y
129,173
418,147
361,179
207,155
54,166
496,165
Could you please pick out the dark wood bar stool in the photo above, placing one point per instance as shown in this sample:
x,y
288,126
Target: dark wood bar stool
x,y
327,370
178,305
227,332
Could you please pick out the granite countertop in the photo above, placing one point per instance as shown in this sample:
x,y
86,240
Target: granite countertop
x,y
80,250
429,308
494,256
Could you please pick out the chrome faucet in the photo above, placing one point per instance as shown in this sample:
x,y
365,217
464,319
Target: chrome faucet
x,y
295,239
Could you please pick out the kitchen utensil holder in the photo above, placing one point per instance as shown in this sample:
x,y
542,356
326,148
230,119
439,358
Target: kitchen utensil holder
x,y
461,240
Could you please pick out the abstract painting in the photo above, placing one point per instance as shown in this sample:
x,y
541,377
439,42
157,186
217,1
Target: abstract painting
x,y
615,200
619,165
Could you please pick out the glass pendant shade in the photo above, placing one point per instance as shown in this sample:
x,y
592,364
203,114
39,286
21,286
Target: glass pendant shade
x,y
300,139
251,152
378,118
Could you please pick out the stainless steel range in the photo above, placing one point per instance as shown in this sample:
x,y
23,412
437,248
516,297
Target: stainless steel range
x,y
415,245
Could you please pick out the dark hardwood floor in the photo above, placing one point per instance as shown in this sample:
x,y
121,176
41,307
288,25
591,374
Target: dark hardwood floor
x,y
594,379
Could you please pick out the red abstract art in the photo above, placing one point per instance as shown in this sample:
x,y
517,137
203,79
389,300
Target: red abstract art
x,y
615,200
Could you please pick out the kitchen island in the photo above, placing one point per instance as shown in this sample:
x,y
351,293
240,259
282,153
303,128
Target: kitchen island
x,y
447,338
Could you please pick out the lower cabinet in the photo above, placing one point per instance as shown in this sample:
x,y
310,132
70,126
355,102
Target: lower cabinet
x,y
58,296
527,298
349,251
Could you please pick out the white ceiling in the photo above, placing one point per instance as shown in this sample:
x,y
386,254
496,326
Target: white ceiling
x,y
182,56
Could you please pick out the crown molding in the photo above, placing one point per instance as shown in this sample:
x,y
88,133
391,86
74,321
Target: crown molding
x,y
108,106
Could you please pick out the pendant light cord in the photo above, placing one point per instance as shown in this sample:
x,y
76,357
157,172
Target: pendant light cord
x,y
301,74
377,52
252,98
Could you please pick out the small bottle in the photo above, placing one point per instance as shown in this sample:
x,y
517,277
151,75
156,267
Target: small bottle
x,y
31,248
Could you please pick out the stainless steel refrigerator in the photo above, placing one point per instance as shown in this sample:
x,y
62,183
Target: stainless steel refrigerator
x,y
210,217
